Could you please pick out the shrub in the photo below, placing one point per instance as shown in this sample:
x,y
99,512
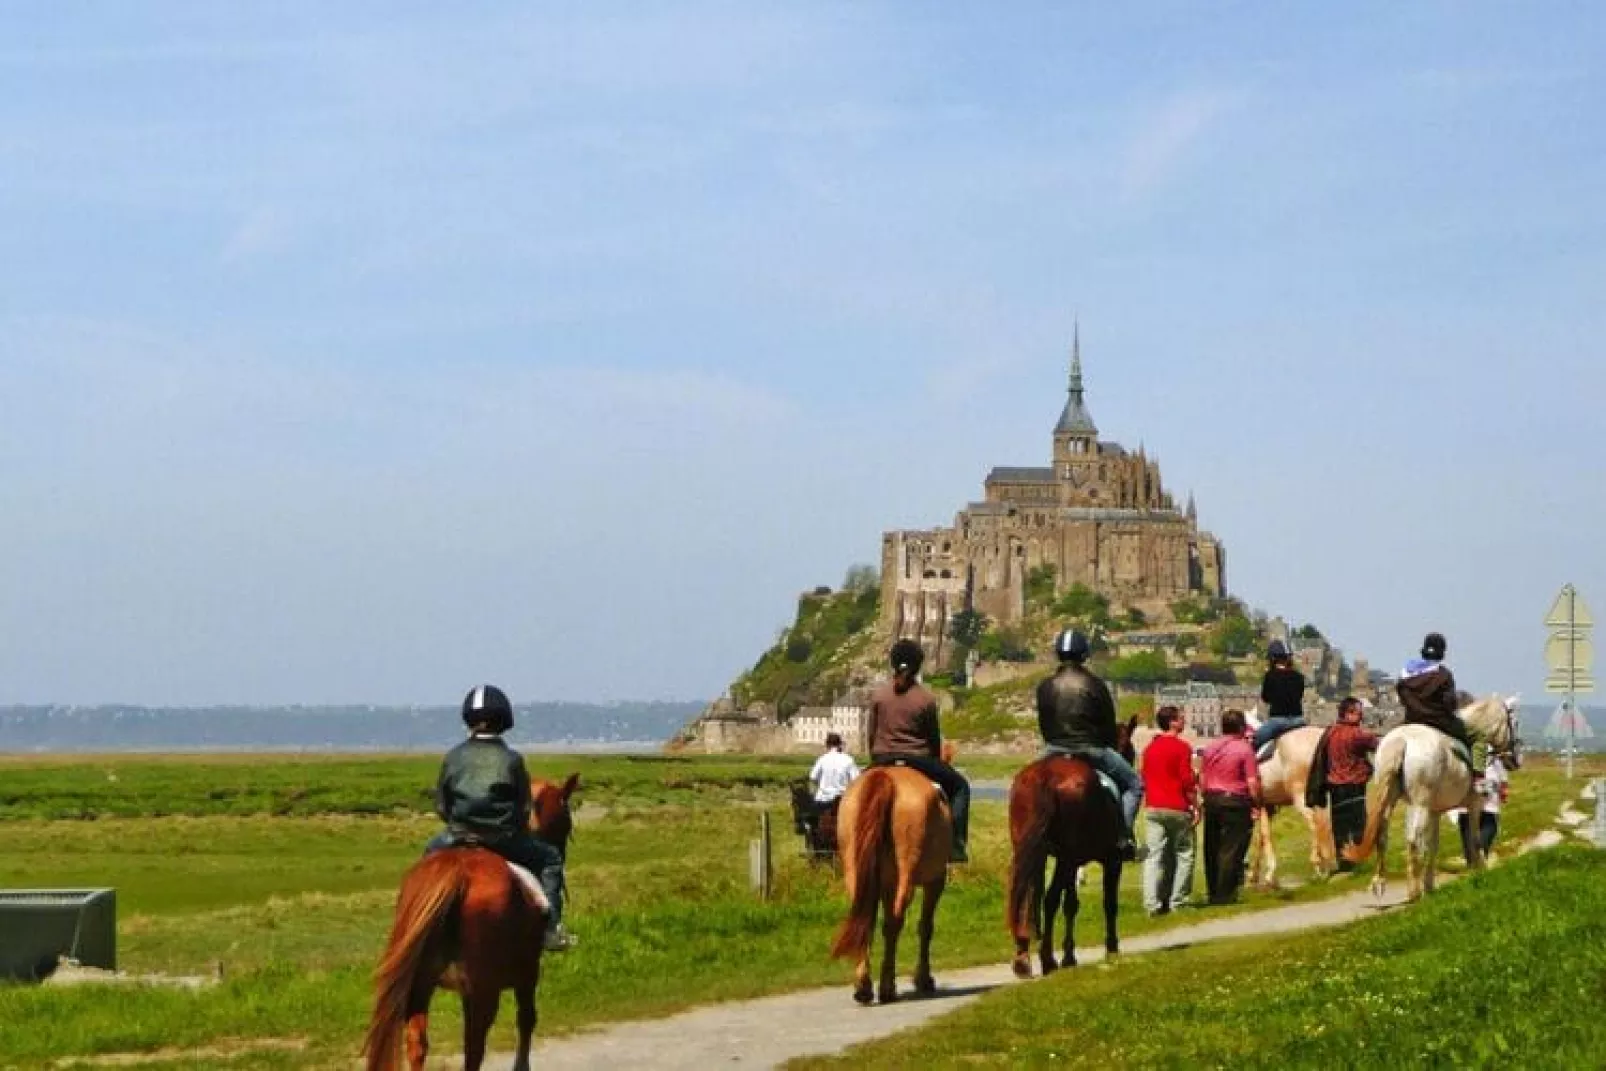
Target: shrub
x,y
1040,586
1233,637
1083,604
1143,667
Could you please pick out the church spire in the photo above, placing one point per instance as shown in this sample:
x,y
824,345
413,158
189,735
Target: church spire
x,y
1076,420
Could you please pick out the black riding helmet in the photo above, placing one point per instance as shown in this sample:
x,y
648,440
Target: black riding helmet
x,y
1433,647
907,656
1072,646
487,707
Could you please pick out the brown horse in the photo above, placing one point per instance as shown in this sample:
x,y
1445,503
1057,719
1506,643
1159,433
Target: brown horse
x,y
1058,807
896,833
464,922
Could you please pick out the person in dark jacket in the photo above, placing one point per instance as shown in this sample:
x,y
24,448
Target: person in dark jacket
x,y
1076,716
1427,691
903,731
483,796
1282,689
1348,749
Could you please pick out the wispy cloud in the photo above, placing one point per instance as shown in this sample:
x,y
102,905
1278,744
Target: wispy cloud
x,y
1162,141
262,232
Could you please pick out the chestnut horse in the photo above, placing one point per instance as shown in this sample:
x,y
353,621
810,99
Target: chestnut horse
x,y
896,833
464,922
1058,807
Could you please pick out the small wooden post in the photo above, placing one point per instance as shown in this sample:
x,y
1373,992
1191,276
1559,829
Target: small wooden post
x,y
758,858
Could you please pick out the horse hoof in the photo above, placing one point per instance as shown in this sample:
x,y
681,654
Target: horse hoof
x,y
1112,950
926,987
1049,965
889,996
1022,968
864,996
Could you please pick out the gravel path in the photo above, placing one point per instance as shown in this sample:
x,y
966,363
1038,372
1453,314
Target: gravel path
x,y
771,1030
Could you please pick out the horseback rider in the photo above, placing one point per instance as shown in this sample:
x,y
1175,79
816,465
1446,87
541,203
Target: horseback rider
x,y
1428,692
833,772
1282,689
1076,715
483,796
903,731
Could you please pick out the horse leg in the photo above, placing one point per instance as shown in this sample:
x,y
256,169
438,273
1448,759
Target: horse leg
x,y
1430,852
479,1012
1318,846
418,1025
1112,905
1073,902
525,996
1264,872
894,905
1380,879
925,984
1051,907
1416,819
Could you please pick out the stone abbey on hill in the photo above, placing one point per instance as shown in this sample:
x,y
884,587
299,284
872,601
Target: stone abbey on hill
x,y
1098,515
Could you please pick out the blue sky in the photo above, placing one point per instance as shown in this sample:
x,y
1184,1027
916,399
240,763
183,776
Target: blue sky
x,y
363,352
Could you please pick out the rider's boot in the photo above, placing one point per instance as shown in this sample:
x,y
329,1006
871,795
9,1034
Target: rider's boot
x,y
1128,845
960,805
557,938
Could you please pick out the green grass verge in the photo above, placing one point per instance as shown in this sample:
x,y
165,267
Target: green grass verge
x,y
1505,969
296,907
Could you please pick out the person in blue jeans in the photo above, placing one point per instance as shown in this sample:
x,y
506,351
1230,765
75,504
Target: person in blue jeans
x,y
1282,689
483,796
1076,715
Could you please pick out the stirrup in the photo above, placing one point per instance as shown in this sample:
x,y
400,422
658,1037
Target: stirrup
x,y
558,939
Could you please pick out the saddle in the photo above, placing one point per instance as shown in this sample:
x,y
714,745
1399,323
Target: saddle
x,y
532,887
940,791
1105,780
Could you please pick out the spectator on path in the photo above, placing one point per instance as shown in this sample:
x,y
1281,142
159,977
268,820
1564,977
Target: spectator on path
x,y
1231,782
1349,750
1495,789
1171,809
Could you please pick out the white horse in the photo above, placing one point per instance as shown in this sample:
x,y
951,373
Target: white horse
x,y
1282,784
1420,764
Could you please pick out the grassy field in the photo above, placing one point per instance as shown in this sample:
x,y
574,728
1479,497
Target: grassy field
x,y
283,871
1505,969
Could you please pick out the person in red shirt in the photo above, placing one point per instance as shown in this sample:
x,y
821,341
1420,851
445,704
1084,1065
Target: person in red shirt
x,y
1171,808
1231,794
1349,768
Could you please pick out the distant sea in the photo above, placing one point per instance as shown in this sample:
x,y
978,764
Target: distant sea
x,y
616,727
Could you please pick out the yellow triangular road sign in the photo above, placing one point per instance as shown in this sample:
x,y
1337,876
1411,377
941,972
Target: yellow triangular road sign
x,y
1569,600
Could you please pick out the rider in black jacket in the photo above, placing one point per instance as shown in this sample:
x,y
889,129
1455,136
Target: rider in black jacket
x,y
483,796
1076,715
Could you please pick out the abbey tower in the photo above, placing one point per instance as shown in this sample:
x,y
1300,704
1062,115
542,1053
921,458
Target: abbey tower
x,y
1098,514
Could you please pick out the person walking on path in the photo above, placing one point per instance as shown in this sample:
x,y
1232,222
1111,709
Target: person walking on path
x,y
1171,809
1231,782
1282,689
903,731
1495,789
1349,769
1076,715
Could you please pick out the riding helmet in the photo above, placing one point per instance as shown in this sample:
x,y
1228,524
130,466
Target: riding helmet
x,y
1072,646
907,656
1433,647
488,707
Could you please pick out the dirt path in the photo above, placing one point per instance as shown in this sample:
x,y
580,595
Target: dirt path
x,y
771,1030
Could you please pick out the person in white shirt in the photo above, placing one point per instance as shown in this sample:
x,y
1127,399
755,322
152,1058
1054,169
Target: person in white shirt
x,y
833,772
1494,788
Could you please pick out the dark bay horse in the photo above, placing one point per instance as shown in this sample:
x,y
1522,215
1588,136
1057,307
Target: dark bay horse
x,y
464,922
896,833
1057,807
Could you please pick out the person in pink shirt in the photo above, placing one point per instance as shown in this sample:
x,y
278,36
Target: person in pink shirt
x,y
1231,783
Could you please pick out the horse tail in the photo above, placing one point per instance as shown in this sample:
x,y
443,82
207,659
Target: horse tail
x,y
872,824
1390,774
430,894
1026,867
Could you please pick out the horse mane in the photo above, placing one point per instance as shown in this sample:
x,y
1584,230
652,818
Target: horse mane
x,y
871,825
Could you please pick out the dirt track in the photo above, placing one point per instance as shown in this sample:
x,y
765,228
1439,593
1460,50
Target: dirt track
x,y
771,1030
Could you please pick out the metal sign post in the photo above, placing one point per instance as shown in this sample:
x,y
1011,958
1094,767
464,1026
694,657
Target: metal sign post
x,y
1570,656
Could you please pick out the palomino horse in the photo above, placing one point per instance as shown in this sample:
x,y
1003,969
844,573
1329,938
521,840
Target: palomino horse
x,y
1282,784
1058,807
896,833
463,922
1419,763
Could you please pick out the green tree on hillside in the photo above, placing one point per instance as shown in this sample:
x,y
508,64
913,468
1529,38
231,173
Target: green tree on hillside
x,y
1004,645
861,578
1082,603
1142,667
1040,586
1233,637
966,628
1308,631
